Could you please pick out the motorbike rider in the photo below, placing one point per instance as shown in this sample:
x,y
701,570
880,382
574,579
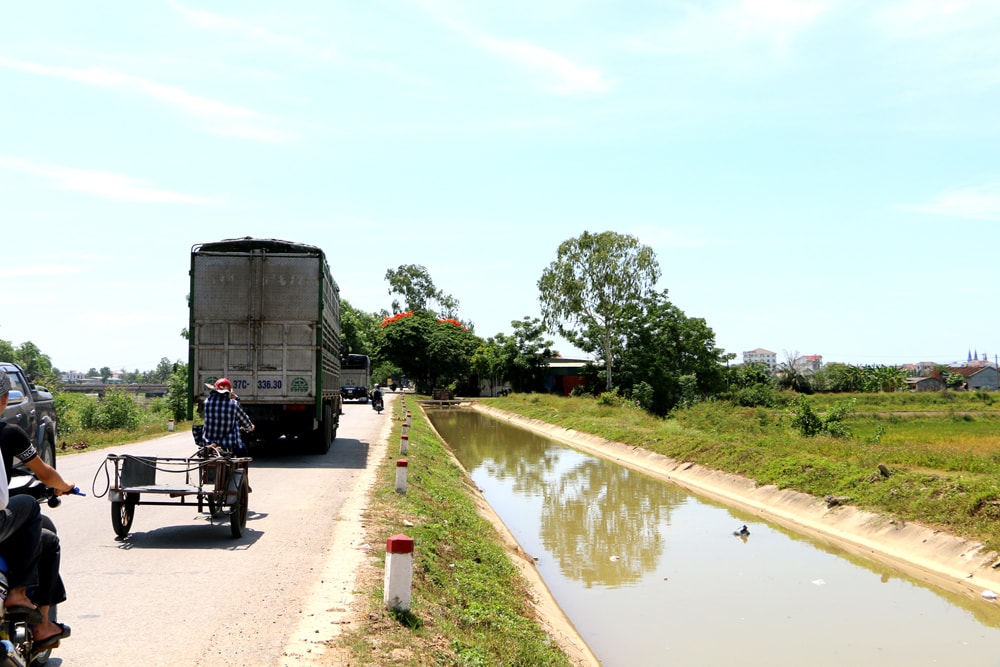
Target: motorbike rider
x,y
223,417
31,551
376,396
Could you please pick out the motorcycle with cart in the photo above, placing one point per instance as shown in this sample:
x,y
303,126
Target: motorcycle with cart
x,y
18,647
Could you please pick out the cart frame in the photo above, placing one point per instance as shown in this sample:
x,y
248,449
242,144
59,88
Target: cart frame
x,y
212,481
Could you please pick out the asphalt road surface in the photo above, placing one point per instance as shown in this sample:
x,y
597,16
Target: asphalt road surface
x,y
179,590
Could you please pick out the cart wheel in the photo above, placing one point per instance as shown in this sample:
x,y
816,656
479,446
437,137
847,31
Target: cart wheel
x,y
122,514
238,511
214,507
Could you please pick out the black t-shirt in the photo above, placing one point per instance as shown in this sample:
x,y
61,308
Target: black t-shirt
x,y
14,443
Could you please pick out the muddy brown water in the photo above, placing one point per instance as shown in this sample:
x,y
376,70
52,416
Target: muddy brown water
x,y
651,574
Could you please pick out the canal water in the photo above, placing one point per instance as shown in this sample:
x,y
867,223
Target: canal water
x,y
651,574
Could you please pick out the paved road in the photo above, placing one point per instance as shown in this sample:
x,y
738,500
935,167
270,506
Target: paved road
x,y
181,591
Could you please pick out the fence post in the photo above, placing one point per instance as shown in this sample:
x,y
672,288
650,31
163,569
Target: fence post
x,y
398,572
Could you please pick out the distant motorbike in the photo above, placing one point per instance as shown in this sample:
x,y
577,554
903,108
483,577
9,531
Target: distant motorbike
x,y
17,646
378,404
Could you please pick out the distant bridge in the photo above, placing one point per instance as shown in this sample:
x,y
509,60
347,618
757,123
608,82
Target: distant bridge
x,y
99,388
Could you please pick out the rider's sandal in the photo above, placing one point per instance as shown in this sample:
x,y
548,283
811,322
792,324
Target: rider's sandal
x,y
53,641
33,615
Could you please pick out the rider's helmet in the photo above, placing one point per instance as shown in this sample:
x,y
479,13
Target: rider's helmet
x,y
223,385
376,386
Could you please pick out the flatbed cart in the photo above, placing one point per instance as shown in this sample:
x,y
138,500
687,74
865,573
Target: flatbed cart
x,y
210,481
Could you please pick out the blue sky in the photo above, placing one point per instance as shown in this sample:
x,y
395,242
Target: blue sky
x,y
815,176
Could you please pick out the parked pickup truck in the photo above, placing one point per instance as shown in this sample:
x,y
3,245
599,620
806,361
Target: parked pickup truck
x,y
33,409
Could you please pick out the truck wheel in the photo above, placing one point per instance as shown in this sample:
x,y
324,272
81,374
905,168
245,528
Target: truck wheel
x,y
324,434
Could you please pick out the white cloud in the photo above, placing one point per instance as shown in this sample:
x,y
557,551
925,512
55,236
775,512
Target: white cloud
x,y
707,27
974,203
569,77
99,183
253,33
219,115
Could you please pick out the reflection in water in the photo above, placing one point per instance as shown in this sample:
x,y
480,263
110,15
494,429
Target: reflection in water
x,y
652,575
600,522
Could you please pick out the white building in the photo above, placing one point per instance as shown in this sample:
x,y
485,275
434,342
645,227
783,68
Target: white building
x,y
760,355
73,377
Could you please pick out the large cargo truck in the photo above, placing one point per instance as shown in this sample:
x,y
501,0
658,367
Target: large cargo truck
x,y
266,314
355,376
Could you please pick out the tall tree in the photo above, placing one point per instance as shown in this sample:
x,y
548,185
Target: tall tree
x,y
6,351
37,366
414,284
672,353
595,283
428,350
520,359
358,329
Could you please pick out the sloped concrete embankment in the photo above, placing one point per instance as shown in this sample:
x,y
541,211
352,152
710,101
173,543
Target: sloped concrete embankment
x,y
934,556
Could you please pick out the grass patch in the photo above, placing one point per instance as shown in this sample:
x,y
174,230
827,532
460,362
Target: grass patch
x,y
469,603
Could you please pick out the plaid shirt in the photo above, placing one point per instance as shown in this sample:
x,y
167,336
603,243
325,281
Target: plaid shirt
x,y
223,418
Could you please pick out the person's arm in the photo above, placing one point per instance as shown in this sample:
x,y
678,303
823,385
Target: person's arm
x,y
243,418
49,476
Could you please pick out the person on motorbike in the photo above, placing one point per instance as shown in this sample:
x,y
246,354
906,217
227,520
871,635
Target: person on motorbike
x,y
32,552
376,397
223,417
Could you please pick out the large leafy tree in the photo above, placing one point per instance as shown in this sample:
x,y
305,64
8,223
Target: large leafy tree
x,y
358,329
520,359
595,284
37,366
430,351
673,354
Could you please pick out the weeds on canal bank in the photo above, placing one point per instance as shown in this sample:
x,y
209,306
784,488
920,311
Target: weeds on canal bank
x,y
470,605
926,458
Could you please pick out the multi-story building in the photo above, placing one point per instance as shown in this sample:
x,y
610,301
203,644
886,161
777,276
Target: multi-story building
x,y
760,355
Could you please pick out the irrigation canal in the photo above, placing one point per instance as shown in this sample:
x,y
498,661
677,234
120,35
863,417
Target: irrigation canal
x,y
652,575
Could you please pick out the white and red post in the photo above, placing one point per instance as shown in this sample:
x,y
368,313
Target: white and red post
x,y
398,572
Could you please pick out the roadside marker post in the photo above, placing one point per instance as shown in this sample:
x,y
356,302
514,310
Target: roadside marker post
x,y
404,444
401,465
398,572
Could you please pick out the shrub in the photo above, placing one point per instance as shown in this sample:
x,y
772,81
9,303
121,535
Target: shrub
x,y
810,424
116,410
756,396
612,399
